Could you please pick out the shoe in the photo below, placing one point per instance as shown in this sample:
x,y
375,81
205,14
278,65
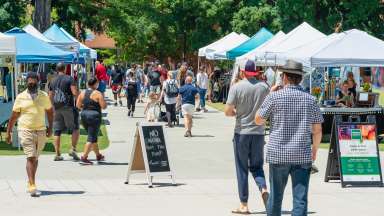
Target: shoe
x,y
186,134
132,114
129,113
205,110
74,155
314,169
32,190
121,103
85,161
115,104
189,134
100,157
58,158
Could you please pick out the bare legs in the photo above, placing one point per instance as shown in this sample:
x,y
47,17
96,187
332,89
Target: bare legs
x,y
88,147
31,168
188,124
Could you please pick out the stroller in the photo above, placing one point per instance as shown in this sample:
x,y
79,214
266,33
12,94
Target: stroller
x,y
162,117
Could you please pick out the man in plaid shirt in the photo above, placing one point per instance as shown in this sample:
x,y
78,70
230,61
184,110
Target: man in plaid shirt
x,y
295,120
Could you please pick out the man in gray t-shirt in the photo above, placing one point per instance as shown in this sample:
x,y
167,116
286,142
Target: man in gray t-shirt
x,y
244,100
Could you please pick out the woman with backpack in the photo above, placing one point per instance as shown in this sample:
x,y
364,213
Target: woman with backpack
x,y
170,92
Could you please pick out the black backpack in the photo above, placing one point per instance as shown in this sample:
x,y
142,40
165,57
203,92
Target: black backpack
x,y
60,98
171,89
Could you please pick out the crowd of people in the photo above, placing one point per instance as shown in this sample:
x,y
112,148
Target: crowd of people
x,y
294,119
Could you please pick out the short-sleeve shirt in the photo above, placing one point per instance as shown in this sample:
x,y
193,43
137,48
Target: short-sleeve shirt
x,y
247,97
32,112
188,93
291,112
64,83
117,77
101,72
154,78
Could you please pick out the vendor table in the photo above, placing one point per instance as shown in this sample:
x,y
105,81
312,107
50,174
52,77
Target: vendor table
x,y
330,112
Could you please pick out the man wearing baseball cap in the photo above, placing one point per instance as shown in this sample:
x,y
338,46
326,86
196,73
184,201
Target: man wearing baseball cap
x,y
295,121
244,99
30,109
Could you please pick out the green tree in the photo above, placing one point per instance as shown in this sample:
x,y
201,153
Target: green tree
x,y
12,13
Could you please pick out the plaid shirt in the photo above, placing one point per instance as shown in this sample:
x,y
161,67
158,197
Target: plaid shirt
x,y
291,112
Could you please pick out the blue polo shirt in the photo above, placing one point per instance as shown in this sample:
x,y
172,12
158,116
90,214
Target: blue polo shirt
x,y
188,93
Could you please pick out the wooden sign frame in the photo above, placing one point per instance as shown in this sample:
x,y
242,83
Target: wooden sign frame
x,y
139,161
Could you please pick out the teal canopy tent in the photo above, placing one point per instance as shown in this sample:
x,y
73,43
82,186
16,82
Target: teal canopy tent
x,y
262,36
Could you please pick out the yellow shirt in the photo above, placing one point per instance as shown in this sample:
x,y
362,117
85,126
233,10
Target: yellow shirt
x,y
32,112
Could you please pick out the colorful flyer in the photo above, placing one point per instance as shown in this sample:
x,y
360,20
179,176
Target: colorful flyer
x,y
358,153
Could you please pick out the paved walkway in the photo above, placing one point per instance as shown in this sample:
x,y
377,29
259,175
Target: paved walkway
x,y
203,166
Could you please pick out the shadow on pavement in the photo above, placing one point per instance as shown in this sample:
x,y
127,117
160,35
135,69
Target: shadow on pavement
x,y
194,135
102,163
48,193
282,213
160,185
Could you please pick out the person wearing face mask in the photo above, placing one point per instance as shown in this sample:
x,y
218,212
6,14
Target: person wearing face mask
x,y
30,109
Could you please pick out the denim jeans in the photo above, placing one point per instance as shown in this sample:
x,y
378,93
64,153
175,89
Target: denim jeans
x,y
202,93
278,177
249,157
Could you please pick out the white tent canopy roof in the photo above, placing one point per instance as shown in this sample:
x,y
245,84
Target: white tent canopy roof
x,y
219,43
256,53
304,53
219,51
7,44
34,32
354,48
302,34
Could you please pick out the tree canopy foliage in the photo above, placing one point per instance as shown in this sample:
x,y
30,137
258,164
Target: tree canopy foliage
x,y
168,28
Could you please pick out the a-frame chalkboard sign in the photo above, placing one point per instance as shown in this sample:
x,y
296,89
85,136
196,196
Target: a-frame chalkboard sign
x,y
353,156
149,153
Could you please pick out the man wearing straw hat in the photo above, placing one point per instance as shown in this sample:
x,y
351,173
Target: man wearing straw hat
x,y
295,121
244,99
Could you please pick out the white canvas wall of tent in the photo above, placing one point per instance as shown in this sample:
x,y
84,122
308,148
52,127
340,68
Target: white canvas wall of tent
x,y
8,49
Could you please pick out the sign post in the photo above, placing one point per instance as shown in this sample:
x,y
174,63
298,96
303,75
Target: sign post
x,y
149,153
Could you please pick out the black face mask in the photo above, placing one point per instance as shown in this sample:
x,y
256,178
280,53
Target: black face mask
x,y
32,87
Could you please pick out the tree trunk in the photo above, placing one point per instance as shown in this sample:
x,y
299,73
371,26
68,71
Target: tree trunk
x,y
42,15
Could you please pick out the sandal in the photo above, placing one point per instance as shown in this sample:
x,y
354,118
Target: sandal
x,y
242,212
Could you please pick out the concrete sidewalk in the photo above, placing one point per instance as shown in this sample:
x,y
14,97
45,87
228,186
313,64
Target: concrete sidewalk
x,y
204,169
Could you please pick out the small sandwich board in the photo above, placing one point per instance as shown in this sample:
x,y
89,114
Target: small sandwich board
x,y
149,153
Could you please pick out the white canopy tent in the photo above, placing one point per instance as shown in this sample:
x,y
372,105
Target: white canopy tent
x,y
302,34
353,48
219,51
217,44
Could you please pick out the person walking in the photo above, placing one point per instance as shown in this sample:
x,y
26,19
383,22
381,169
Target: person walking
x,y
102,76
202,84
91,101
188,93
63,92
117,77
154,77
170,92
30,109
131,93
140,80
295,121
244,99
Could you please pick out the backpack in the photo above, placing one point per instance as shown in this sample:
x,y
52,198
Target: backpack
x,y
171,89
60,98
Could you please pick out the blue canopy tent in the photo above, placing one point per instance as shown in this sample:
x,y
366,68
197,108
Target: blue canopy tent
x,y
55,34
32,50
84,50
262,36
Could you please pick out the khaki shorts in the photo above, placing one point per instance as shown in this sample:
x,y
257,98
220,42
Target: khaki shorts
x,y
33,141
188,109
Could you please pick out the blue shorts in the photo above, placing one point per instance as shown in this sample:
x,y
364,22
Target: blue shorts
x,y
102,86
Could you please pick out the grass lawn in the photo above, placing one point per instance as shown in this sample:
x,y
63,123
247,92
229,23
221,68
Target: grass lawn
x,y
219,106
103,141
